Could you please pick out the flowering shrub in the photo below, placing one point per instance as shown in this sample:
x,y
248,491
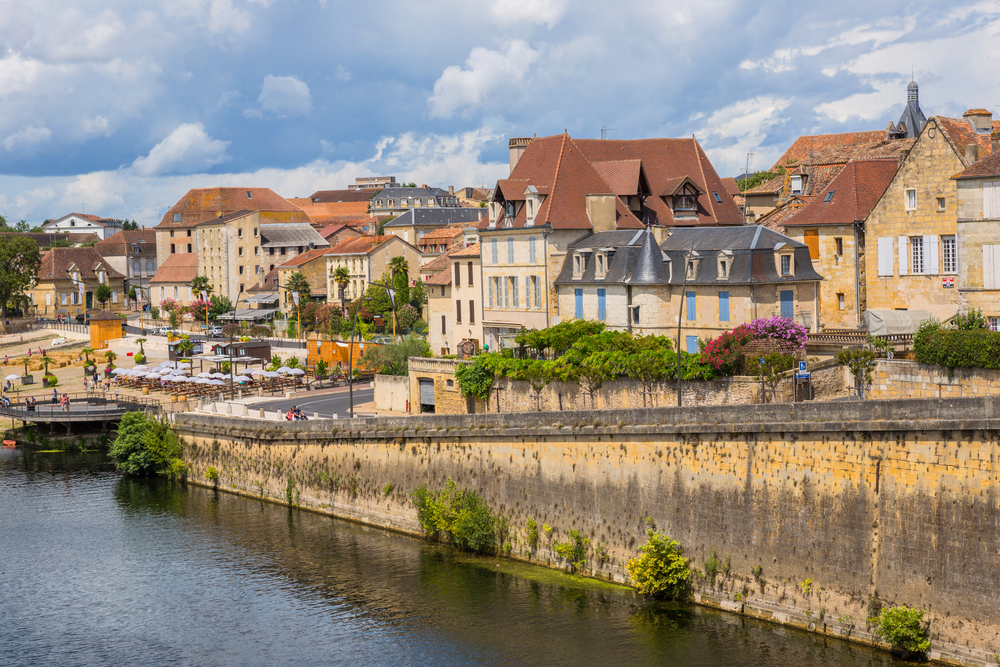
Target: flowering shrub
x,y
780,328
169,305
725,353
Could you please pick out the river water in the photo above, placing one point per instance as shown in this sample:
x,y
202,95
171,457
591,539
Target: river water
x,y
96,569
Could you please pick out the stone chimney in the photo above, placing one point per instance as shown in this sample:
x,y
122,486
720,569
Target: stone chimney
x,y
517,146
451,189
981,120
971,153
995,140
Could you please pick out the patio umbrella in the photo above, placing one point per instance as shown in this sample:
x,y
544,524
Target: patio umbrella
x,y
14,377
216,382
151,376
241,378
296,371
141,367
256,371
272,374
217,376
204,375
284,369
201,380
182,371
119,371
168,378
182,366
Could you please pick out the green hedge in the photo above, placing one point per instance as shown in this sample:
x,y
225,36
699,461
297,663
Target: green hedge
x,y
979,348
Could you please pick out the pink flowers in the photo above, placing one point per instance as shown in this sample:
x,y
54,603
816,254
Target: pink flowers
x,y
780,328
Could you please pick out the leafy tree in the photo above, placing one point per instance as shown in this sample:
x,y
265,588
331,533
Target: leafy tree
x,y
649,368
394,359
770,370
406,317
20,260
201,284
343,278
418,295
21,226
758,177
408,185
3,222
103,294
130,225
140,341
220,306
901,627
460,517
661,571
322,368
298,283
861,362
110,356
146,446
538,375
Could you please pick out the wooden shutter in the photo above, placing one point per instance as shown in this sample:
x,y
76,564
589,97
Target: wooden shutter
x,y
885,256
991,200
904,248
811,238
991,266
931,248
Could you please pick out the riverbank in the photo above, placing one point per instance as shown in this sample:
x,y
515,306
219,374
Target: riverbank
x,y
814,509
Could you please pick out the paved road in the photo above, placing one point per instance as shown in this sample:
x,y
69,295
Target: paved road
x,y
325,404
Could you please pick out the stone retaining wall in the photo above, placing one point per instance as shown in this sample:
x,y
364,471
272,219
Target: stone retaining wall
x,y
912,379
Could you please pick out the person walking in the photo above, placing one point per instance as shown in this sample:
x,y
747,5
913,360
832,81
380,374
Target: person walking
x,y
55,397
65,402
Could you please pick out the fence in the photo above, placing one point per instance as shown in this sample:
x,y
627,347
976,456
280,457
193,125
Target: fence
x,y
82,407
77,328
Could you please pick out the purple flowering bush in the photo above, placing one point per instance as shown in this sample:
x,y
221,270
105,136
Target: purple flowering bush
x,y
780,328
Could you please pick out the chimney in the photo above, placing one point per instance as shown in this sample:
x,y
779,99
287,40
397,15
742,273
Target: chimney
x,y
981,120
995,140
517,146
971,153
451,189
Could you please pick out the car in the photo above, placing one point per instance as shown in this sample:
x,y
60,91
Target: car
x,y
215,330
166,331
83,318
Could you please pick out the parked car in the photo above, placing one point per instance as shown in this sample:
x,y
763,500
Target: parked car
x,y
166,331
83,318
215,330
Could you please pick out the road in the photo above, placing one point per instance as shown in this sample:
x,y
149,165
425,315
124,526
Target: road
x,y
325,404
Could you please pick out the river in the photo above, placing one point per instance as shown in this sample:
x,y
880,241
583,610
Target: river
x,y
96,569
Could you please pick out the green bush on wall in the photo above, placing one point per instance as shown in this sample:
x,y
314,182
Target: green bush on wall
x,y
976,348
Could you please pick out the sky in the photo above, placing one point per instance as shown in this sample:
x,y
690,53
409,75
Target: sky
x,y
118,108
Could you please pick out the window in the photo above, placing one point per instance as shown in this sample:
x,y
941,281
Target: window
x,y
470,274
796,185
531,250
175,291
256,270
48,299
841,302
690,270
578,295
493,245
510,251
241,269
282,252
840,245
240,251
444,325
691,344
490,299
600,265
829,197
949,255
506,292
177,218
458,274
786,265
692,306
514,294
910,197
249,195
723,269
239,233
717,197
787,304
811,238
255,232
940,203
256,250
458,311
916,254
136,267
509,210
684,203
991,200
172,249
472,312
635,314
189,247
994,321
272,251
389,204
602,312
723,306
63,297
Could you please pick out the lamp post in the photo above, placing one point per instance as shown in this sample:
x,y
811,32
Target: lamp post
x,y
350,357
680,318
232,341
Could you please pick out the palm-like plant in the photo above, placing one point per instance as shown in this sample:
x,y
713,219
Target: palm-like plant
x,y
343,278
110,356
140,341
87,351
398,265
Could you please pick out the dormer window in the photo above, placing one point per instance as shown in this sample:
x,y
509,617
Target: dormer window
x,y
601,266
430,201
684,203
786,265
579,265
177,217
691,267
389,203
797,185
509,210
723,269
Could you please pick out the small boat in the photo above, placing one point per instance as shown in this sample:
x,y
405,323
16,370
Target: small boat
x,y
9,444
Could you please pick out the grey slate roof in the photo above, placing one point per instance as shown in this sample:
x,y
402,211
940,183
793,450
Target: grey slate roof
x,y
291,234
437,217
912,121
750,251
406,193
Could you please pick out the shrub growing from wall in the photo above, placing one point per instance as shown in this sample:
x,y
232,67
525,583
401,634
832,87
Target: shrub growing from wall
x,y
975,348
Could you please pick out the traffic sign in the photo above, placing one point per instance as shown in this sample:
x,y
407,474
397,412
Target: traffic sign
x,y
802,367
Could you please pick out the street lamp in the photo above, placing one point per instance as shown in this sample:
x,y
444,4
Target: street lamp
x,y
680,318
232,342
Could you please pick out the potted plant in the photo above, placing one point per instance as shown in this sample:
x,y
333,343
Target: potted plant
x,y
49,380
88,365
110,356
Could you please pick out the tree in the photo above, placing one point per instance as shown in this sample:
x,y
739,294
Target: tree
x,y
22,226
418,295
538,374
298,283
220,306
140,341
201,284
103,294
661,571
861,362
901,627
770,370
110,356
343,278
398,265
20,260
130,225
394,359
3,222
649,368
147,446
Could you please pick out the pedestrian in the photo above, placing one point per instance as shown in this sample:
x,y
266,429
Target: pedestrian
x,y
116,393
65,402
7,387
55,397
6,360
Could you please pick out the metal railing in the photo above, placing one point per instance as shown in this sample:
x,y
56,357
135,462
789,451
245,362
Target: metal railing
x,y
78,328
856,338
82,407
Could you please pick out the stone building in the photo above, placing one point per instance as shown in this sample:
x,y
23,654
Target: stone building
x,y
414,224
397,200
978,237
730,276
133,254
454,303
312,266
561,190
367,260
832,225
173,279
912,230
84,223
67,283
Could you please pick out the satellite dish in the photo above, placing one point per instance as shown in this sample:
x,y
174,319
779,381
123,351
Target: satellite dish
x,y
556,320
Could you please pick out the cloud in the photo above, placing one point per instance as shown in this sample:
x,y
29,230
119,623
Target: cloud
x,y
76,36
515,12
28,136
732,132
485,72
341,74
96,125
284,96
187,149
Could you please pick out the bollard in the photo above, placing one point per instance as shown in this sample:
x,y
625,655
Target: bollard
x,y
262,413
288,394
335,415
243,412
277,415
211,408
315,415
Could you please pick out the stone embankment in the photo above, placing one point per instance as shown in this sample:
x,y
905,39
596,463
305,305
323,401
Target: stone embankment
x,y
808,510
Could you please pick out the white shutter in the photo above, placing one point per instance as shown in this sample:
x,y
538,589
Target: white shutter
x,y
931,255
904,248
990,200
885,256
991,266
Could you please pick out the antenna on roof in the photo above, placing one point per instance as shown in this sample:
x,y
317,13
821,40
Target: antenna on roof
x,y
605,129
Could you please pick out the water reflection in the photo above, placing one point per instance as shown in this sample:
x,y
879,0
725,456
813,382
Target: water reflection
x,y
98,569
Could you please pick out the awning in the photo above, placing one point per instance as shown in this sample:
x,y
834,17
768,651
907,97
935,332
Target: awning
x,y
883,322
248,314
263,298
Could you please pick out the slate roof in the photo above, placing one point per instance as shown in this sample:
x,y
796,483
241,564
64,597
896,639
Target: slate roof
x,y
332,196
177,268
437,217
45,239
121,242
203,204
855,190
290,234
56,263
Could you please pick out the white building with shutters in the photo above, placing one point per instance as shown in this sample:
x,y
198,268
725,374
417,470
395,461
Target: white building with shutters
x,y
978,235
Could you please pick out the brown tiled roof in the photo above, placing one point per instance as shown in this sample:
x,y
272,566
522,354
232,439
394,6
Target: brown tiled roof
x,y
360,245
201,204
960,134
438,263
268,285
121,242
820,143
177,268
729,183
855,190
621,175
443,278
335,196
306,257
871,150
769,186
444,233
775,220
327,232
471,251
988,166
105,315
44,239
57,261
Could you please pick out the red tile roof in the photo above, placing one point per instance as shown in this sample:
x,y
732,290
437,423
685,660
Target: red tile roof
x,y
177,268
988,166
855,190
621,175
360,245
443,278
440,262
729,183
307,257
445,234
775,219
960,134
202,204
57,262
120,243
471,251
820,143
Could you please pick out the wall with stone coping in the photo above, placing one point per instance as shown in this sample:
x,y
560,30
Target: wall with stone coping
x,y
911,379
392,392
898,498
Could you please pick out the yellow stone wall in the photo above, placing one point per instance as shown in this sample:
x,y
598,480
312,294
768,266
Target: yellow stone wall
x,y
910,379
838,271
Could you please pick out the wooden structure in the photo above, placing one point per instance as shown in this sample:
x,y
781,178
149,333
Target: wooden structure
x,y
258,349
336,352
104,326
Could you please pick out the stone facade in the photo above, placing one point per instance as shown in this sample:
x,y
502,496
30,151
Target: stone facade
x,y
229,254
978,236
924,229
392,392
448,399
911,379
833,257
896,498
440,319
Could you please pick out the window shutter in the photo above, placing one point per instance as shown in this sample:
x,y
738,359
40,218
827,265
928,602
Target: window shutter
x,y
885,256
491,293
723,306
538,293
904,248
990,192
931,265
991,266
516,301
811,238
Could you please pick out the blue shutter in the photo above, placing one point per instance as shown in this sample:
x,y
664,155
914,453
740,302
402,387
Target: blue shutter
x,y
788,303
723,306
579,303
602,313
692,345
692,311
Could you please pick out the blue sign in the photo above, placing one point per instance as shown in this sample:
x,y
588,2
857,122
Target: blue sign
x,y
802,376
802,367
